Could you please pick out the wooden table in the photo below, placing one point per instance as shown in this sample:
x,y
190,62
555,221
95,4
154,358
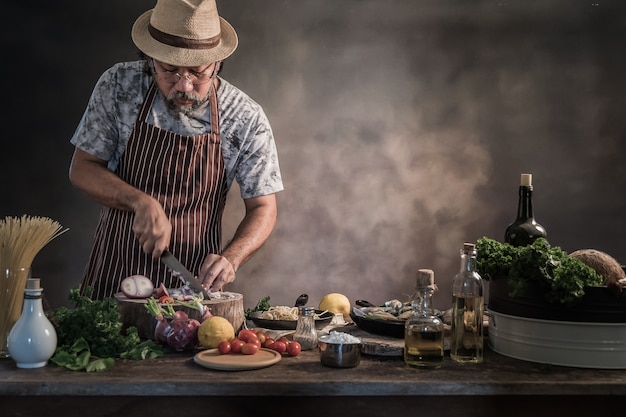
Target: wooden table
x,y
301,386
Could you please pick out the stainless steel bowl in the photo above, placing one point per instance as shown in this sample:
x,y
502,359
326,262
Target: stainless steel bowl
x,y
339,355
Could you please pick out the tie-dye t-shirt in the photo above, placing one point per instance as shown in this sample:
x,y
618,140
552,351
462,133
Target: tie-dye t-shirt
x,y
248,146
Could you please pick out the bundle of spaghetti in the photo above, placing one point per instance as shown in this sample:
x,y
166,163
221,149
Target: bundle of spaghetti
x,y
21,239
280,313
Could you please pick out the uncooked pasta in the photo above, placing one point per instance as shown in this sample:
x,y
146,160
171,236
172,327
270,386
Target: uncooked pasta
x,y
280,313
21,239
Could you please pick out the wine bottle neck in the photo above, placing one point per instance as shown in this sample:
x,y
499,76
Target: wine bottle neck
x,y
525,205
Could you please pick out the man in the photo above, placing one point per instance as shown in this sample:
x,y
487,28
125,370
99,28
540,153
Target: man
x,y
159,145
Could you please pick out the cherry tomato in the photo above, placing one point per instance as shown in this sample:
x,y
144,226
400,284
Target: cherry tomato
x,y
246,335
284,340
262,336
249,348
268,342
294,349
224,347
279,346
236,345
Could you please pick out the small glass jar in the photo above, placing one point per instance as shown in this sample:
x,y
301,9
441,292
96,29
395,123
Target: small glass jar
x,y
306,334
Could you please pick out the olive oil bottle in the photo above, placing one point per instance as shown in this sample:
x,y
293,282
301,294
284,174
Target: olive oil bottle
x,y
466,334
423,331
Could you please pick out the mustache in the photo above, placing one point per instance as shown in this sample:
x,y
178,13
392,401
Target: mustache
x,y
196,102
185,95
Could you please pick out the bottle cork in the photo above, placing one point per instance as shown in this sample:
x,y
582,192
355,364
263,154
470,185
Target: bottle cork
x,y
425,279
526,180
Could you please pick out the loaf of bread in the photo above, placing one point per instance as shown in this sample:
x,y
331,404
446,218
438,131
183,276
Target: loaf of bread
x,y
603,264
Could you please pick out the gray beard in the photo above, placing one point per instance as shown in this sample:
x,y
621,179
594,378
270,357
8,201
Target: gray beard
x,y
186,110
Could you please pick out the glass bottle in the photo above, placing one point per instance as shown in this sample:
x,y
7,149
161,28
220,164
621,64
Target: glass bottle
x,y
525,229
33,339
423,331
466,339
306,334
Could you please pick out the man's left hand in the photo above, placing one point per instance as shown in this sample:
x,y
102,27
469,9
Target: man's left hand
x,y
216,271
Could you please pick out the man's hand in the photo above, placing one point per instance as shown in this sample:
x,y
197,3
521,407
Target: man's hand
x,y
152,227
215,272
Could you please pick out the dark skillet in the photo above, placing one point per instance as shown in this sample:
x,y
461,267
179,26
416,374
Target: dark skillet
x,y
390,328
323,320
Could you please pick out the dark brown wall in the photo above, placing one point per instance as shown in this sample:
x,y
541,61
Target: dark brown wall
x,y
402,127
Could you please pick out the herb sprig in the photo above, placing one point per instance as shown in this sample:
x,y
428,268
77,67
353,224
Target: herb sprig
x,y
262,305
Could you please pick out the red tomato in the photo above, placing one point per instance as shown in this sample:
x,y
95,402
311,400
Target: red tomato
x,y
249,348
279,346
284,340
246,335
224,347
294,349
268,342
236,345
262,336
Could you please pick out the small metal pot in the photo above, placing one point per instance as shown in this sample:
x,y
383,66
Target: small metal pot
x,y
339,355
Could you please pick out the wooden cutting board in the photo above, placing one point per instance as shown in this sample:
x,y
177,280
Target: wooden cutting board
x,y
213,359
133,312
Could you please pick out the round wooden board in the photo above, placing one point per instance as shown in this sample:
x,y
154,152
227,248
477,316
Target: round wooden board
x,y
133,311
213,359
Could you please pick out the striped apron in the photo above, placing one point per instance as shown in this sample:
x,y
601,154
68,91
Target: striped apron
x,y
186,175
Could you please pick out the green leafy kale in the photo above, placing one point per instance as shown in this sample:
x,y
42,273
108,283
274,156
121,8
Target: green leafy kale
x,y
563,277
93,330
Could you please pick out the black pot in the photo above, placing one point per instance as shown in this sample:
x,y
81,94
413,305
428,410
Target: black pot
x,y
598,305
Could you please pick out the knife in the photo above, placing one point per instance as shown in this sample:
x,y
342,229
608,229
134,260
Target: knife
x,y
183,273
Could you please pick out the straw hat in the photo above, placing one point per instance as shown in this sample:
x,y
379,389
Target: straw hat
x,y
184,33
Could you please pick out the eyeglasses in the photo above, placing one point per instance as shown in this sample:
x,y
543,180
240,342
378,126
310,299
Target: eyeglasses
x,y
171,76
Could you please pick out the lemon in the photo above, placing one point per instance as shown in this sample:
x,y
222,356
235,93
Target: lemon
x,y
214,330
336,303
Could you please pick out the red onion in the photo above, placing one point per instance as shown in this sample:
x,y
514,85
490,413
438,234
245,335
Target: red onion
x,y
161,330
183,336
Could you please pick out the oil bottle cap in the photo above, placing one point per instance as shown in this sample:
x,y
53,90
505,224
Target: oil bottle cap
x,y
469,249
426,279
32,284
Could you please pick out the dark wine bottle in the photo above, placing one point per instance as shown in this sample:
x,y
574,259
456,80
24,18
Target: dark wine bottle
x,y
525,229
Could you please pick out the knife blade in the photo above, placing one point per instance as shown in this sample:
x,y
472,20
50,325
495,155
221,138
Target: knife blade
x,y
183,273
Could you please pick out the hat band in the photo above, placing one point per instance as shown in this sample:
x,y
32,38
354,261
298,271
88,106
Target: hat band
x,y
179,42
